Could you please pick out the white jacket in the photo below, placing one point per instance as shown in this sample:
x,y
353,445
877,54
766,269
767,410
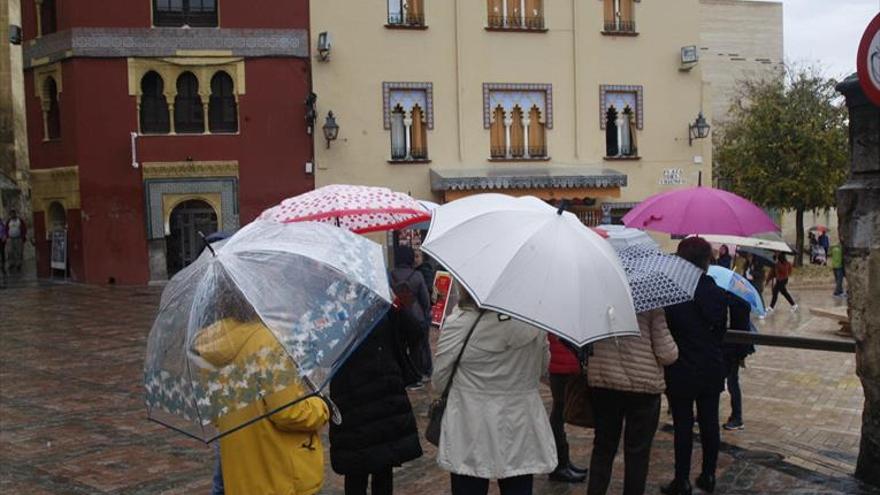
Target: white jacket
x,y
495,425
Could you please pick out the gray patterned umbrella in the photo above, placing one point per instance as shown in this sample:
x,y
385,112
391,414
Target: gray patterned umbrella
x,y
658,279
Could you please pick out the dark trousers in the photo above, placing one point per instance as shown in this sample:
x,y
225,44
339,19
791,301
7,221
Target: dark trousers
x,y
640,413
759,286
780,288
427,359
736,400
710,433
557,417
838,281
380,483
468,485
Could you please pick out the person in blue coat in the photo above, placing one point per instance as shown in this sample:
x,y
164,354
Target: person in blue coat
x,y
697,377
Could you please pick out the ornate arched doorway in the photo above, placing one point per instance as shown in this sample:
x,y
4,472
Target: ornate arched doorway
x,y
184,244
56,217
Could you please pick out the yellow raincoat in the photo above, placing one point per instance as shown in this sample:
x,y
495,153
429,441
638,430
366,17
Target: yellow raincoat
x,y
280,455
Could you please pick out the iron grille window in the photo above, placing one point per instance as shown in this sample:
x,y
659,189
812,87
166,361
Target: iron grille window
x,y
222,113
189,117
154,107
53,114
48,17
176,13
406,13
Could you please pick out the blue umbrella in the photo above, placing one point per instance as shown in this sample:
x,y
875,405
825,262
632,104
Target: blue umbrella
x,y
738,285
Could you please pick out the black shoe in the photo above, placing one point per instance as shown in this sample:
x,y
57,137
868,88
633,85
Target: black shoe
x,y
734,424
677,487
706,482
567,475
578,470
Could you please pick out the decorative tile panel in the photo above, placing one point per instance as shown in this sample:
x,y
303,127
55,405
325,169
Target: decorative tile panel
x,y
407,95
156,188
525,95
620,96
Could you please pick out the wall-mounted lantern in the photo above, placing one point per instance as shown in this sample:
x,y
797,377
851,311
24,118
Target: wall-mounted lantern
x,y
324,45
331,129
698,130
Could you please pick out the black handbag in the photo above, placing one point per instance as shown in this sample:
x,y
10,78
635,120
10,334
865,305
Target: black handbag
x,y
438,407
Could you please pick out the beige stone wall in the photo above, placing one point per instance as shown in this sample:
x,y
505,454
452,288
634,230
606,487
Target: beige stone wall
x,y
739,39
457,54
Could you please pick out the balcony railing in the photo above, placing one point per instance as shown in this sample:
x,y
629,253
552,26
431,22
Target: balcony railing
x,y
517,152
408,19
620,26
419,153
513,21
537,151
400,154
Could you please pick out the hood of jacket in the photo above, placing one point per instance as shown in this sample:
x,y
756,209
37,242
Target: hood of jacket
x,y
221,342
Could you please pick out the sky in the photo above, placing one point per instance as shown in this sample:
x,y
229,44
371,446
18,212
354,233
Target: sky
x,y
826,32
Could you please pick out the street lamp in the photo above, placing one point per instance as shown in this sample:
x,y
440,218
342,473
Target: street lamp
x,y
331,129
698,130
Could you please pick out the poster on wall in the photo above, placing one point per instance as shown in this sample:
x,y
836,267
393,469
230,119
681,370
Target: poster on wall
x,y
59,249
442,287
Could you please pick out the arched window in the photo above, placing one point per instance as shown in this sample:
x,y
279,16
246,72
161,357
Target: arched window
x,y
154,106
498,134
398,134
611,148
222,112
419,131
189,116
48,17
51,111
537,145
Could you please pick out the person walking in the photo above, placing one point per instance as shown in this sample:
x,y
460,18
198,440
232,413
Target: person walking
x,y
563,366
824,242
837,267
378,430
779,278
281,453
411,294
16,233
734,359
495,424
724,258
755,273
626,380
698,327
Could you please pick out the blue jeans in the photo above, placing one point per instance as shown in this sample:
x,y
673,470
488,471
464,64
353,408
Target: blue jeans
x,y
218,489
838,281
736,401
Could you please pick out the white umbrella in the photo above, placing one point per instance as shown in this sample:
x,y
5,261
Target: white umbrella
x,y
768,244
622,237
522,257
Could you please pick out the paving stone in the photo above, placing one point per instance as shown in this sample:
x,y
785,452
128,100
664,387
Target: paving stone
x,y
72,418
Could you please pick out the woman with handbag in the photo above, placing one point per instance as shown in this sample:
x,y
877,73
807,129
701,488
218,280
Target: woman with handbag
x,y
378,430
626,380
494,424
564,366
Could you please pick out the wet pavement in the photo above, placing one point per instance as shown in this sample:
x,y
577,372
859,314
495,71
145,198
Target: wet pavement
x,y
72,419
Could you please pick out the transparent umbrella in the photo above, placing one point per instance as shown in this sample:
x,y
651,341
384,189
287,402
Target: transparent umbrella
x,y
259,323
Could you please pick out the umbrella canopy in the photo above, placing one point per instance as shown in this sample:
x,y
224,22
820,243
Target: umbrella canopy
x,y
360,209
763,254
622,237
658,279
522,257
755,242
429,206
260,324
818,228
738,285
699,210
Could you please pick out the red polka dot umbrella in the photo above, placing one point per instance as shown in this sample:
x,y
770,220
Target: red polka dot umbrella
x,y
359,209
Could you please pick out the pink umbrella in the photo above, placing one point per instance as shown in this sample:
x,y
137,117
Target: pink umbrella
x,y
359,209
699,210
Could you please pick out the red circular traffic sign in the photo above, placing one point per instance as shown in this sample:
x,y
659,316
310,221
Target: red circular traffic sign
x,y
868,64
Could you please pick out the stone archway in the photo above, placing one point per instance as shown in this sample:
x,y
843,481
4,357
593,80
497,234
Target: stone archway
x,y
183,244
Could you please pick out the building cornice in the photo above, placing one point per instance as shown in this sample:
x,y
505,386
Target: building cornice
x,y
186,169
165,42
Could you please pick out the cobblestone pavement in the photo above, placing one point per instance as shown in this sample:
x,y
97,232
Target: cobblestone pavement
x,y
72,419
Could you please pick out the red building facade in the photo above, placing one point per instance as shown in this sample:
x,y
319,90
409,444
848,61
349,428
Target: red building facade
x,y
206,94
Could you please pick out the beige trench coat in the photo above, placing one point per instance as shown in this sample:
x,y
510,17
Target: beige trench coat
x,y
495,425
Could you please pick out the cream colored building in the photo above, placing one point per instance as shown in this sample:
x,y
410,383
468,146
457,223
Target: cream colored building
x,y
445,98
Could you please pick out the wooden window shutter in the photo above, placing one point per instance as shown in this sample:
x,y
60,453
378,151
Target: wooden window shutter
x,y
537,145
517,133
419,146
498,146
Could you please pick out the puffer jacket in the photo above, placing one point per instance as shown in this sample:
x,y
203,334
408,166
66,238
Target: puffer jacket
x,y
281,454
634,364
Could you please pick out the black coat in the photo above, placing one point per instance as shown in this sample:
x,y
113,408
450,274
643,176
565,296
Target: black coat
x,y
740,311
698,327
378,427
